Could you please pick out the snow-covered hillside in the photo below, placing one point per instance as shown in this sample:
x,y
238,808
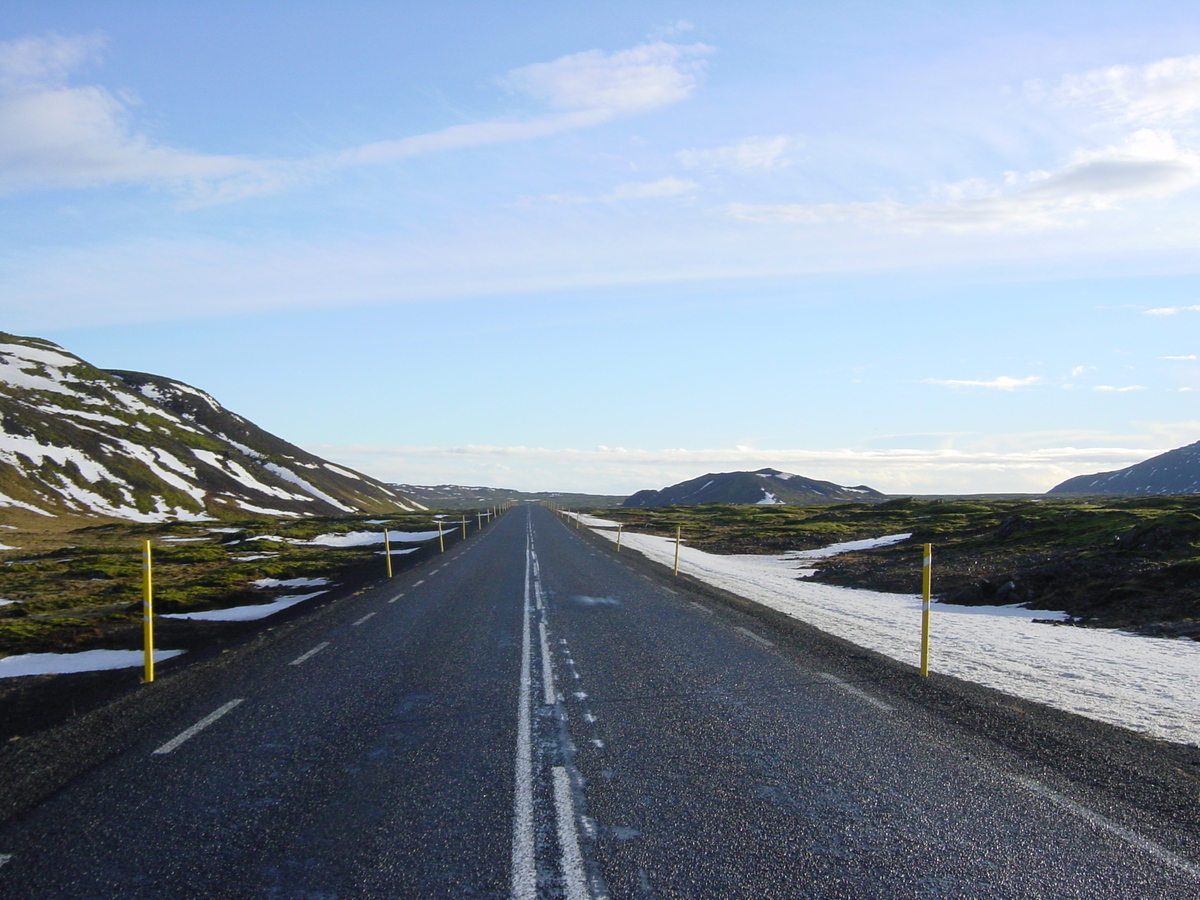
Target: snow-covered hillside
x,y
1174,472
77,440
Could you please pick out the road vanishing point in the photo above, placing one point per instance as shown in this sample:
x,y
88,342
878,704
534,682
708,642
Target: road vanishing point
x,y
532,715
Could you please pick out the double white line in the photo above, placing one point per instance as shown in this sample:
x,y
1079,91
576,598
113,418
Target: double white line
x,y
524,846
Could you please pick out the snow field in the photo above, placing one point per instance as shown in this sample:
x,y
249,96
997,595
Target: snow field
x,y
1149,685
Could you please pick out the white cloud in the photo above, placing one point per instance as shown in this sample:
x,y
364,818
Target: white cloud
x,y
1188,356
1080,370
747,154
618,470
633,190
628,81
1147,165
55,135
1002,383
588,88
1170,310
664,187
36,61
1108,388
1164,91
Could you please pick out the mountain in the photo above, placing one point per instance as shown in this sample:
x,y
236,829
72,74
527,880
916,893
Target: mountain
x,y
1174,472
457,496
766,487
77,440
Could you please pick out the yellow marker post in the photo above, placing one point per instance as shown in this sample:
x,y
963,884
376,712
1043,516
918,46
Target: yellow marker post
x,y
619,527
926,583
147,614
441,540
387,552
678,532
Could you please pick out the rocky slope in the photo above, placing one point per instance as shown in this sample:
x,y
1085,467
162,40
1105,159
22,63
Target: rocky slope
x,y
77,440
1174,472
765,487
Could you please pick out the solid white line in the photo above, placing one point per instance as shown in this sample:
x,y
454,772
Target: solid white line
x,y
198,727
548,693
524,866
311,653
574,879
363,619
756,637
860,694
1093,818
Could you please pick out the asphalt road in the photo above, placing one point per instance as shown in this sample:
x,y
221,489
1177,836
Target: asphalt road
x,y
531,715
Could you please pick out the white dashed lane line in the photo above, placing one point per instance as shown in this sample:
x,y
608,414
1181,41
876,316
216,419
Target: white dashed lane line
x,y
198,727
700,606
309,655
860,694
754,637
363,619
397,597
1094,818
418,583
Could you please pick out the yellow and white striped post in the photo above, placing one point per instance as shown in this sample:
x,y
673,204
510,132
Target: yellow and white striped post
x,y
387,552
147,615
619,527
678,533
926,584
441,539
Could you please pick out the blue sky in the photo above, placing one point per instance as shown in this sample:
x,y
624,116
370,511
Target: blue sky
x,y
929,247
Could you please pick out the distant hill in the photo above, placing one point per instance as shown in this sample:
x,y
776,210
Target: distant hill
x,y
1174,472
457,496
766,487
77,440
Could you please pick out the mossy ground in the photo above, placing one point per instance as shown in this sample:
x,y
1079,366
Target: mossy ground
x,y
72,581
1119,562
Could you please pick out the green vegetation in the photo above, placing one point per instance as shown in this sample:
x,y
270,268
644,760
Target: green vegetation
x,y
1119,562
74,594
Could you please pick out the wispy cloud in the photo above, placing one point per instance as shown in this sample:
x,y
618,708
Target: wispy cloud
x,y
585,89
1170,310
1167,90
1147,165
745,155
1112,389
1188,356
1002,383
633,190
54,135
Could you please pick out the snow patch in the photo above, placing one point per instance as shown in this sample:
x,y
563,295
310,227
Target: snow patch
x,y
85,661
246,613
1142,683
264,583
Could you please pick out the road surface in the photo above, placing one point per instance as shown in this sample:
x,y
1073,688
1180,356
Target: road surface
x,y
531,715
